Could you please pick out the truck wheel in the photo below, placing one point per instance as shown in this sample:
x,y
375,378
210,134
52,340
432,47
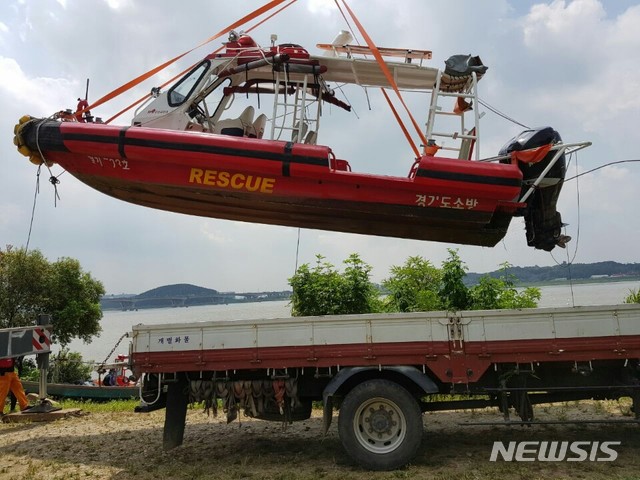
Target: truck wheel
x,y
380,425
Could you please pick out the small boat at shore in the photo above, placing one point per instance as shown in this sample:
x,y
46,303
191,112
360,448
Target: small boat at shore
x,y
204,147
84,392
115,382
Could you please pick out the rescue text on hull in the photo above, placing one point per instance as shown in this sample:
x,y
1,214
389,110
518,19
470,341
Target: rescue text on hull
x,y
281,183
182,154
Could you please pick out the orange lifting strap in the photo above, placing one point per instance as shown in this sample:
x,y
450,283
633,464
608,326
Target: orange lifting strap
x,y
257,12
387,74
401,123
171,80
393,109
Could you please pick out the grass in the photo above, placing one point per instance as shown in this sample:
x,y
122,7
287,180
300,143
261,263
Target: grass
x,y
112,406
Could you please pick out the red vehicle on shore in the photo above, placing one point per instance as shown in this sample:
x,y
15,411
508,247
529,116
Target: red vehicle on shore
x,y
380,371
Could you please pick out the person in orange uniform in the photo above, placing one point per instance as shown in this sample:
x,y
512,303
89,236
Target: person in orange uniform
x,y
9,381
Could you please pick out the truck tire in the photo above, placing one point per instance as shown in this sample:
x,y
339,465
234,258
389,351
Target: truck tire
x,y
380,425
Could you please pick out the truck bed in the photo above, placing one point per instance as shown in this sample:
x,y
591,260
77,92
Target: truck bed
x,y
457,347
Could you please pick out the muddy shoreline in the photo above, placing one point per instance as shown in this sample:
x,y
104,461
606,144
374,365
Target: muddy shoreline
x,y
129,446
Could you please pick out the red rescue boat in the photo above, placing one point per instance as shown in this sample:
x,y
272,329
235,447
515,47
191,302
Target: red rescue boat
x,y
195,150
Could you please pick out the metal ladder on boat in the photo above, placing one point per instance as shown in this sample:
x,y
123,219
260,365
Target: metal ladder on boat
x,y
468,137
293,112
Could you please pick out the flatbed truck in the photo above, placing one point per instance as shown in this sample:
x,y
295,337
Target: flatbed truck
x,y
382,371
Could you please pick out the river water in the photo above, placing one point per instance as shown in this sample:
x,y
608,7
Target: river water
x,y
116,323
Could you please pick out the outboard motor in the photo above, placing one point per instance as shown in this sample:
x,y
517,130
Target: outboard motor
x,y
543,222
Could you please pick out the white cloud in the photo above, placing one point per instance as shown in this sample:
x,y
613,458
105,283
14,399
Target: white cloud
x,y
572,25
119,4
322,7
43,96
580,35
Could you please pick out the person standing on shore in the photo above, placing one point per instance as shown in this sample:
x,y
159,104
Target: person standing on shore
x,y
14,400
9,381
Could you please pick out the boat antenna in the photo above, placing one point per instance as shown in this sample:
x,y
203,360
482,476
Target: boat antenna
x,y
83,114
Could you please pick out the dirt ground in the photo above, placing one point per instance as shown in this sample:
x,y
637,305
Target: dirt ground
x,y
129,446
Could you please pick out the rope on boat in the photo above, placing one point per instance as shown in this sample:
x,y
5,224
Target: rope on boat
x,y
124,335
37,158
33,208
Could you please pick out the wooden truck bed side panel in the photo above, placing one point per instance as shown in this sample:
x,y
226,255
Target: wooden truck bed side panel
x,y
450,344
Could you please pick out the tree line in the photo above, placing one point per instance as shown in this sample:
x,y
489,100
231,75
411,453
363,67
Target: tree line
x,y
576,271
417,285
31,285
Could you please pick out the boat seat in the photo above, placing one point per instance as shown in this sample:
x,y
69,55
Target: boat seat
x,y
258,126
302,131
466,147
311,138
237,127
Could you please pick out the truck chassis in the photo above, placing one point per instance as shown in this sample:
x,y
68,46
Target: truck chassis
x,y
381,371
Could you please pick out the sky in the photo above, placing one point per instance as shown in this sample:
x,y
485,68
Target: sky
x,y
568,64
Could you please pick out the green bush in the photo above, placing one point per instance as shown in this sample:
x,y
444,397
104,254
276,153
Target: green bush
x,y
30,369
68,367
413,287
633,297
323,290
416,286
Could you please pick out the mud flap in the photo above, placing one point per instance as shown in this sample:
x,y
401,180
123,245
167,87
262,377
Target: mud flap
x,y
175,414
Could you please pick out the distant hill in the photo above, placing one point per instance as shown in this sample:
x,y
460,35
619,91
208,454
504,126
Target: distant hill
x,y
577,271
178,290
184,295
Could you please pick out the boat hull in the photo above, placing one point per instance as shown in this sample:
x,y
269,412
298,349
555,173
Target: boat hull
x,y
283,183
85,392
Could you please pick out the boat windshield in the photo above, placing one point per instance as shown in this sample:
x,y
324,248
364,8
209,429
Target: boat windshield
x,y
185,86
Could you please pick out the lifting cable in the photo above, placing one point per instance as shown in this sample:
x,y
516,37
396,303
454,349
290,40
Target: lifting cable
x,y
570,261
389,77
501,114
217,50
127,86
601,166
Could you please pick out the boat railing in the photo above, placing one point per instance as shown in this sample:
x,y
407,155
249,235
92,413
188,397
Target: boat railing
x,y
560,149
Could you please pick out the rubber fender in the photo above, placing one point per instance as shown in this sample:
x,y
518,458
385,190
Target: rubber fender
x,y
24,150
17,139
412,373
36,160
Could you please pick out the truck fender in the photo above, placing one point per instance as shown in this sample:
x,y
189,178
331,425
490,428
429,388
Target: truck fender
x,y
412,373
